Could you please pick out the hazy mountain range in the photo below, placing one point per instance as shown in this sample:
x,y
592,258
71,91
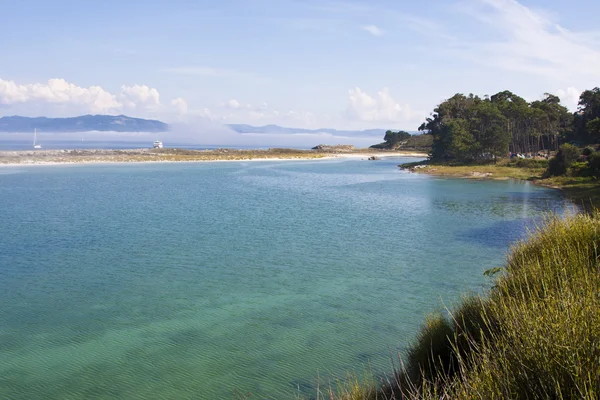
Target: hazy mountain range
x,y
123,123
276,129
84,123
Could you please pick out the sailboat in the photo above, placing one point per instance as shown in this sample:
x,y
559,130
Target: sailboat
x,y
35,145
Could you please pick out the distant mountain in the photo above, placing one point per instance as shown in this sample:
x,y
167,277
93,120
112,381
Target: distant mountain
x,y
84,123
276,129
123,123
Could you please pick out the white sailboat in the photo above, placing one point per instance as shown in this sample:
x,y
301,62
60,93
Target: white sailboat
x,y
36,145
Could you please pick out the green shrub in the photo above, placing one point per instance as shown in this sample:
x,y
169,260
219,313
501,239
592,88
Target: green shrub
x,y
540,325
587,151
580,168
535,336
566,156
528,163
431,355
594,163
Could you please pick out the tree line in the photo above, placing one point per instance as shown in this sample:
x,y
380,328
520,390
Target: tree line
x,y
392,140
475,128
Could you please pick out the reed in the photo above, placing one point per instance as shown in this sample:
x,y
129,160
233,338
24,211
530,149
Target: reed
x,y
535,335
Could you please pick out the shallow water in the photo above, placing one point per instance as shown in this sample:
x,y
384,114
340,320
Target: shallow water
x,y
166,281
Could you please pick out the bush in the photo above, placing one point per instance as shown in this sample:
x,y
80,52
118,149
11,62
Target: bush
x,y
580,169
535,336
594,164
587,151
431,355
528,163
566,156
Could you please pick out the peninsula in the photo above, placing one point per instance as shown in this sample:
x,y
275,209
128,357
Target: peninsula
x,y
49,157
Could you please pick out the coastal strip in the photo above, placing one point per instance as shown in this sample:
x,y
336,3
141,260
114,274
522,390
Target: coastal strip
x,y
96,156
584,191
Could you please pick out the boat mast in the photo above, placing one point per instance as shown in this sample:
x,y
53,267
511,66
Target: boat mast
x,y
34,135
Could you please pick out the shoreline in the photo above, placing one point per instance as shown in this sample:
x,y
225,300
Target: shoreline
x,y
144,156
581,191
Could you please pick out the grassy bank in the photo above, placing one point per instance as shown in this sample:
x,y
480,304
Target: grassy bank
x,y
583,191
536,335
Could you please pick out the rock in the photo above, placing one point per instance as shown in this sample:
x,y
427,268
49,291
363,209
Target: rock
x,y
481,174
373,158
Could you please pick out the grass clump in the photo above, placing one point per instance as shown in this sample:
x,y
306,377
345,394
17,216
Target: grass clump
x,y
528,163
536,335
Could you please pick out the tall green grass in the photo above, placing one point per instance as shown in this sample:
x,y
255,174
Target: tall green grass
x,y
535,335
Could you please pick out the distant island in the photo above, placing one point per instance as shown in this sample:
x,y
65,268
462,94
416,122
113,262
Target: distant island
x,y
84,123
124,123
242,128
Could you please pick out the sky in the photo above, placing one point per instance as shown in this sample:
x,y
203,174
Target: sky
x,y
300,63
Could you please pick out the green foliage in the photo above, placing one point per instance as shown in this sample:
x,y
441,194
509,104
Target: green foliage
x,y
505,123
528,163
587,151
593,127
392,140
395,137
494,126
539,330
536,335
461,144
594,164
492,271
431,355
586,123
579,168
565,157
420,142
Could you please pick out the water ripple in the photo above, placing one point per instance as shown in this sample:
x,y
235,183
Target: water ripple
x,y
192,281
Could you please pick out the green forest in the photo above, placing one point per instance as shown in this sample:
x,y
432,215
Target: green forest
x,y
466,128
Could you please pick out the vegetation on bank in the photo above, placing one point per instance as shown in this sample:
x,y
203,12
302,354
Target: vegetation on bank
x,y
503,136
575,171
467,128
402,140
535,335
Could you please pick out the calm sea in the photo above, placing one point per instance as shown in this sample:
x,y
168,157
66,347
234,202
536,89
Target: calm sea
x,y
13,145
194,280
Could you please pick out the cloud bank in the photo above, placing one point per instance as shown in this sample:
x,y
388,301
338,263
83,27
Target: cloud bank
x,y
382,108
59,97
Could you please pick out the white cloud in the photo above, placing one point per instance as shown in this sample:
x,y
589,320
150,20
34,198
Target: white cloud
x,y
233,104
382,108
569,97
180,105
59,97
233,111
139,97
372,29
59,91
531,41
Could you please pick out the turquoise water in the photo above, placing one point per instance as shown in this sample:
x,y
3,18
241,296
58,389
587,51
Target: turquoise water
x,y
168,281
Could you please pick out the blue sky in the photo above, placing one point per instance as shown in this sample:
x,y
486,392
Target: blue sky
x,y
303,63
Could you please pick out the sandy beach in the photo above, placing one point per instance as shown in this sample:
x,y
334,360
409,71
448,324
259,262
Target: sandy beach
x,y
76,157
